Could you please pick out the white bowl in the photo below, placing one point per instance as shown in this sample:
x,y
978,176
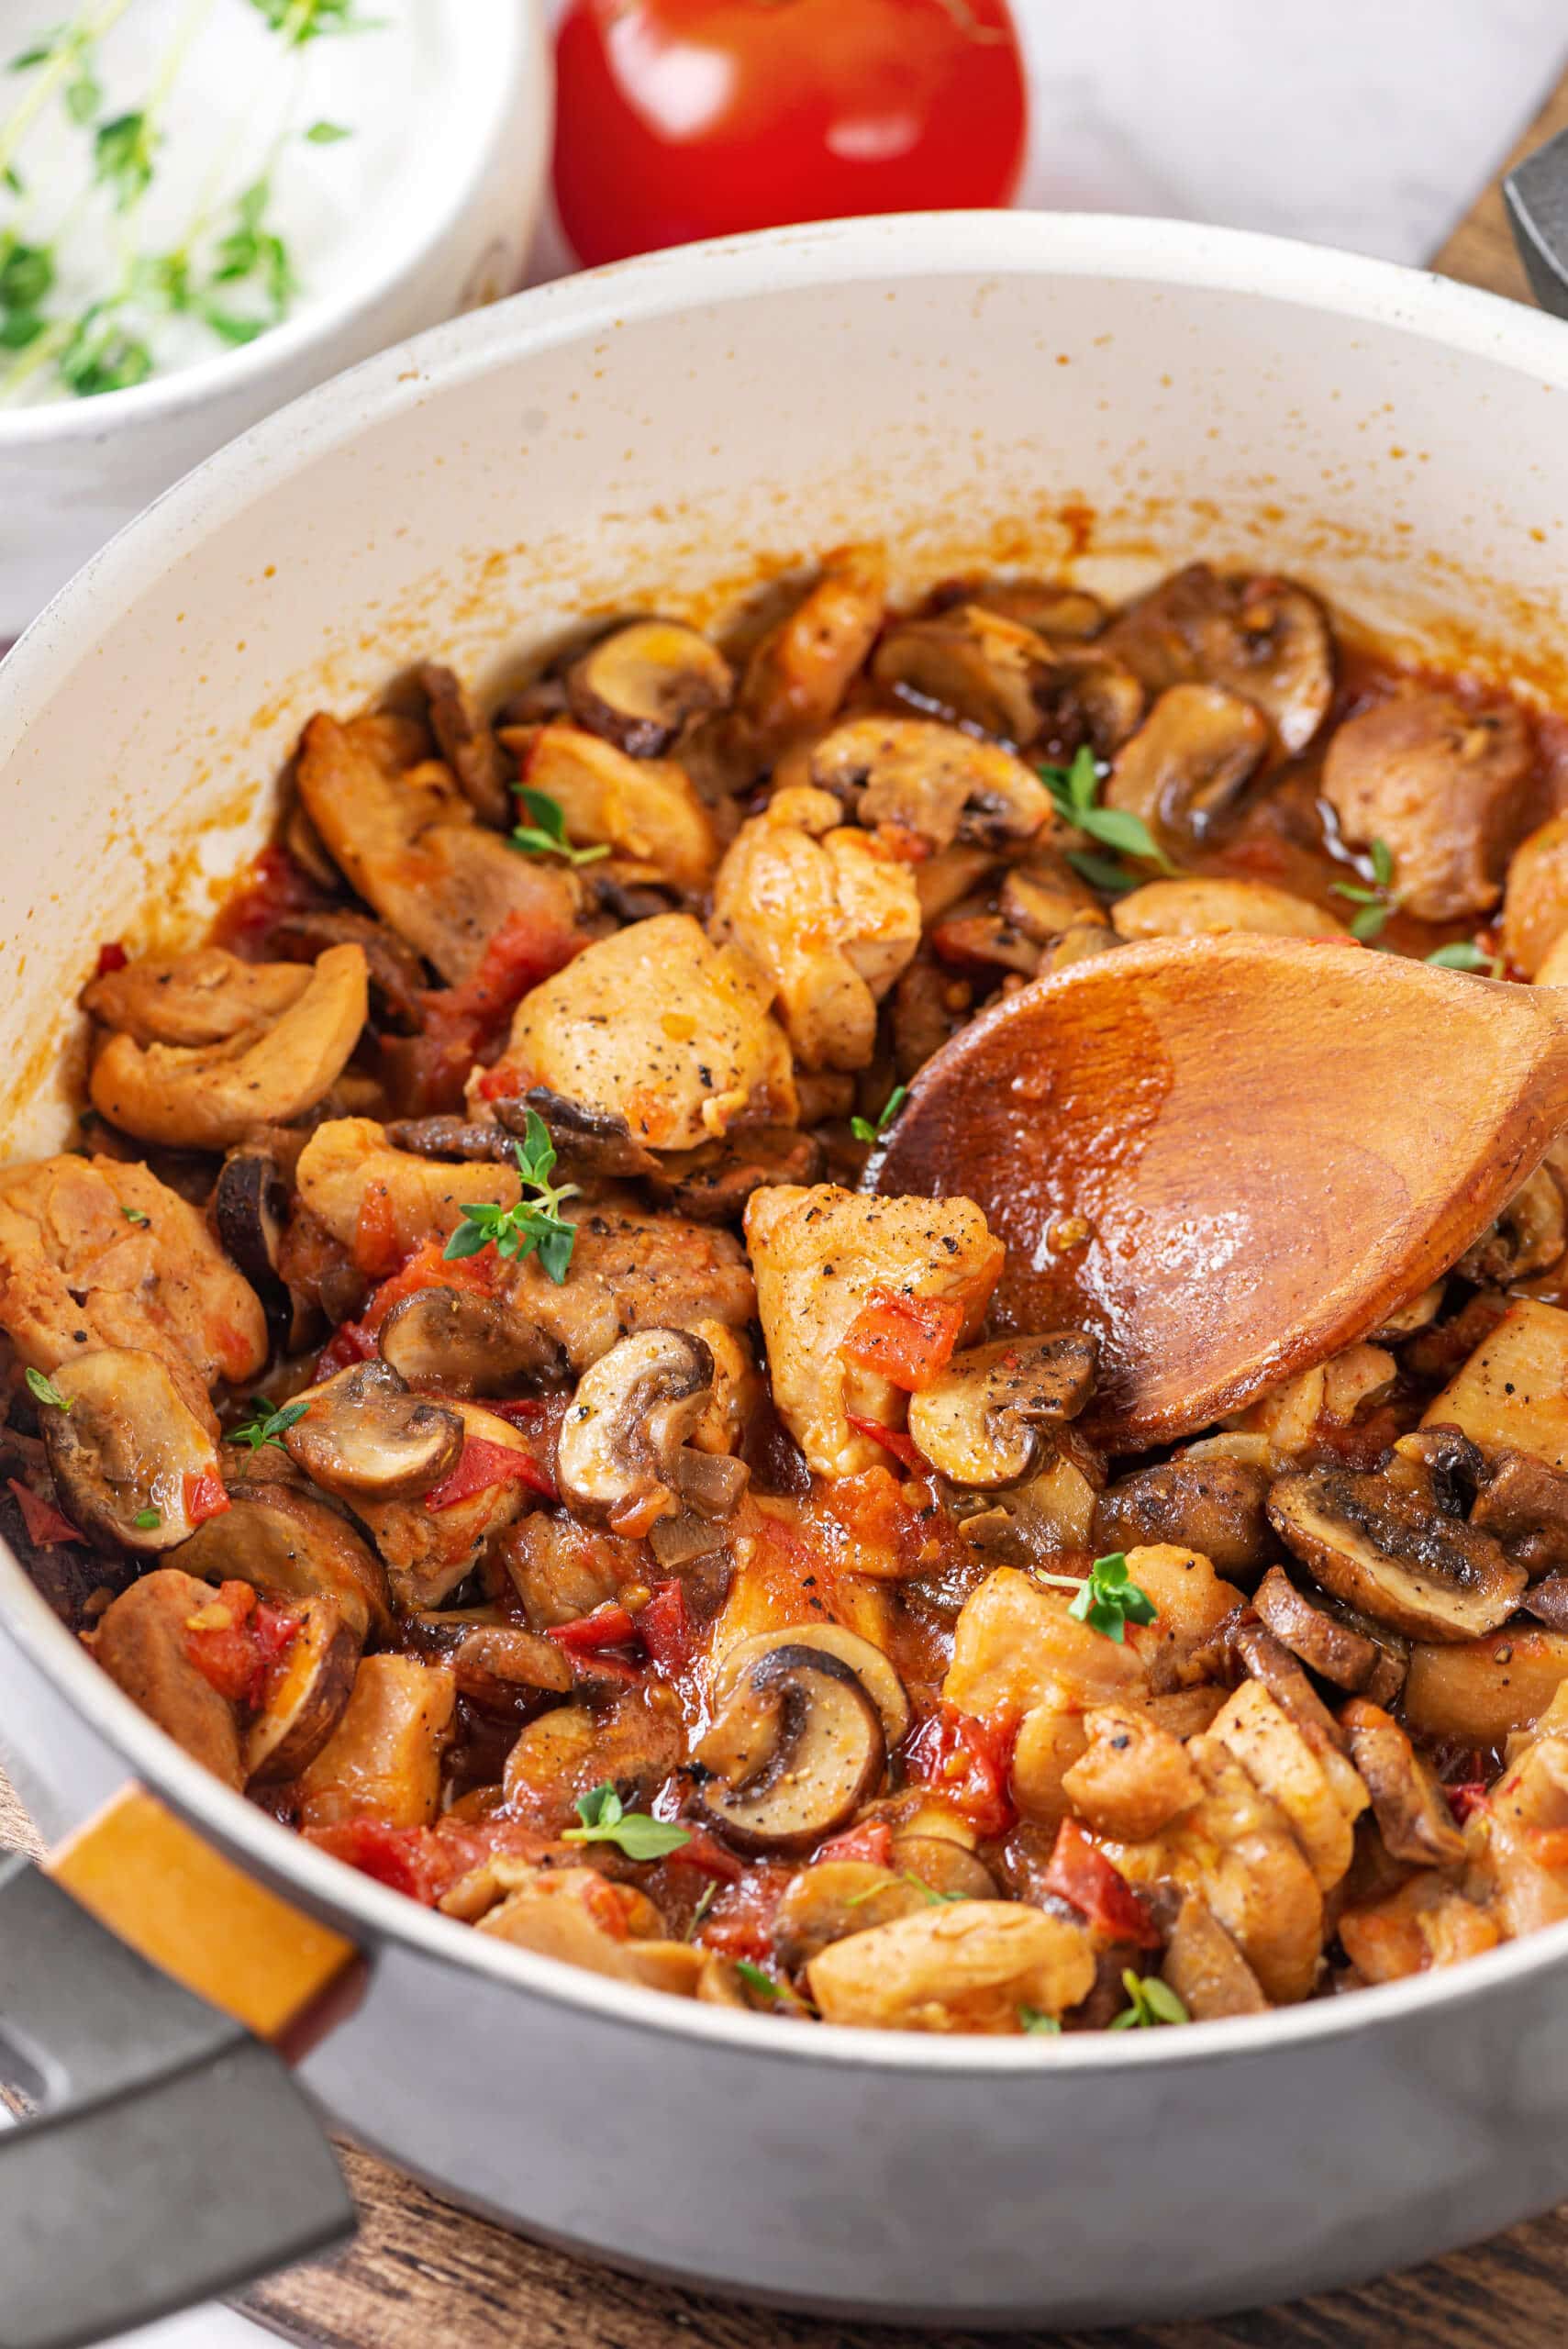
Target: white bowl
x,y
1098,396
452,232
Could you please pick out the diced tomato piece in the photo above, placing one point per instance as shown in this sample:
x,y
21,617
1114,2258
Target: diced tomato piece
x,y
349,1343
906,1340
872,1842
112,957
1080,1872
482,1466
606,1627
703,1852
221,1643
274,886
45,1525
463,1023
525,1409
664,1627
204,1496
1466,1798
968,1762
428,1268
396,1856
741,1922
903,1447
377,1250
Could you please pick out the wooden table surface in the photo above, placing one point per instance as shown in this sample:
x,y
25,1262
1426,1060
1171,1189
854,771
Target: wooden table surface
x,y
423,2274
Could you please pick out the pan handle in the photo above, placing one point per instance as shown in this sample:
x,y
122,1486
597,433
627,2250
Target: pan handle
x,y
1537,197
173,2156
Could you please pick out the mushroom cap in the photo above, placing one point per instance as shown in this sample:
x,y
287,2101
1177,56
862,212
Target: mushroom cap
x,y
463,1343
1429,1575
619,1453
365,1437
801,1747
1264,638
305,1696
868,1664
1189,759
982,1421
640,685
124,1449
292,1545
934,780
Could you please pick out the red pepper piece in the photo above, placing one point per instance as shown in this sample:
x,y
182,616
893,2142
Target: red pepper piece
x,y
870,1842
1080,1872
906,1340
204,1496
968,1762
606,1627
44,1524
903,1447
664,1627
112,957
349,1343
483,1465
1466,1798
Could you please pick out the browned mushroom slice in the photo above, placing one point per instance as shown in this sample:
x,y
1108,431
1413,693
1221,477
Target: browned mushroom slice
x,y
642,685
1062,613
824,1903
1547,1600
1267,1659
944,1866
462,1140
199,998
983,1422
1205,1969
1212,1505
461,1343
1433,1577
934,781
588,1142
468,745
292,1546
209,1097
1043,898
1266,639
984,943
366,1437
1528,1237
305,1696
796,1750
868,1664
1408,1804
142,1644
624,1457
1087,701
967,663
1188,761
398,980
250,1208
1323,1640
713,1182
125,1450
493,1660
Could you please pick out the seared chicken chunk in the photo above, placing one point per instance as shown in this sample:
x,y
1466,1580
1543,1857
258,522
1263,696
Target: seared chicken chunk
x,y
800,672
645,810
1448,788
828,913
820,1257
199,998
661,1028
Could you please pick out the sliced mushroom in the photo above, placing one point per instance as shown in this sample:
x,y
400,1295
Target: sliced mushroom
x,y
366,1437
1053,610
588,1142
868,1664
1528,1237
467,744
1263,1657
461,1343
642,685
1325,1641
209,1097
305,1696
984,943
624,1457
713,1182
461,1140
200,999
250,1208
931,780
1431,1576
1213,1506
836,1897
969,664
1266,639
382,1761
142,1644
1205,1969
1188,761
1524,1504
1045,898
984,1422
126,1450
1408,1802
293,1546
398,980
944,1866
1208,906
794,1751
493,1660
1087,701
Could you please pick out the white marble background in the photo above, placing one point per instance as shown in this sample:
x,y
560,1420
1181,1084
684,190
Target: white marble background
x,y
1364,123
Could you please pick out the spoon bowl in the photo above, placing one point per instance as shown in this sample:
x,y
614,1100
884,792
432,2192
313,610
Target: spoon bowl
x,y
1231,1157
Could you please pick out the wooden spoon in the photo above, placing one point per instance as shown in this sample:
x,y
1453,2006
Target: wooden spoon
x,y
1232,1156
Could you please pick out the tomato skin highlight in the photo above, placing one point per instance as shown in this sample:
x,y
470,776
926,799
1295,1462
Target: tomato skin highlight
x,y
684,119
483,1464
967,1761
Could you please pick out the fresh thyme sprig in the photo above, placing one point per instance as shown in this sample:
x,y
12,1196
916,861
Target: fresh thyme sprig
x,y
605,1819
1107,1598
1378,902
1075,792
533,1226
545,836
267,1426
1150,2002
865,1130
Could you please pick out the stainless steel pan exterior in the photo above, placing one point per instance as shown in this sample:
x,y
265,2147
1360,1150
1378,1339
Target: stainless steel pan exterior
x,y
970,389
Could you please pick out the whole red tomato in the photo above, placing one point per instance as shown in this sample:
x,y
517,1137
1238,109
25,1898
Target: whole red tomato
x,y
687,118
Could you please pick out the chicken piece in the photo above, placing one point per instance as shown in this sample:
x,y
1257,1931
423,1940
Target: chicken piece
x,y
800,672
661,1028
141,1644
467,744
1016,1646
818,1255
1412,1811
632,1272
407,841
577,1916
1208,906
561,1571
633,1744
1134,1779
975,1965
1191,1602
1525,1838
96,1252
828,913
1236,1849
1051,1743
1535,898
428,1550
200,999
1315,1788
1447,788
645,810
383,1759
1427,1922
1315,1403
380,1203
